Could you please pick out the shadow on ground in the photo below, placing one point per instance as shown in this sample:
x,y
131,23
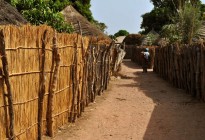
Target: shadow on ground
x,y
176,115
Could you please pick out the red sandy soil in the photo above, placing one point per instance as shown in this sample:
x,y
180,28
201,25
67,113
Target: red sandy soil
x,y
139,106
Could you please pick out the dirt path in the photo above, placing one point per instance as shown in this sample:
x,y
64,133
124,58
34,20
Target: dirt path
x,y
139,107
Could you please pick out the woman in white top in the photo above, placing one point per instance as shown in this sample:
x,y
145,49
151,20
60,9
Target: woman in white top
x,y
145,62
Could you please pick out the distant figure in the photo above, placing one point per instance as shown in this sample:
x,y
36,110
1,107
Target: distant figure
x,y
145,58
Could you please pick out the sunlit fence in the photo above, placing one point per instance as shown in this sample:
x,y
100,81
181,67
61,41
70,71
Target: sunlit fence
x,y
47,78
183,66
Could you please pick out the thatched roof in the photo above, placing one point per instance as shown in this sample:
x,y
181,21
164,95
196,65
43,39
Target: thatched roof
x,y
9,15
150,38
74,17
133,39
120,39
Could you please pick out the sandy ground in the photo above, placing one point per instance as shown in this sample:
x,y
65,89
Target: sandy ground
x,y
139,107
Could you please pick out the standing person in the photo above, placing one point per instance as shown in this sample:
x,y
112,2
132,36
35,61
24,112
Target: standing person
x,y
145,58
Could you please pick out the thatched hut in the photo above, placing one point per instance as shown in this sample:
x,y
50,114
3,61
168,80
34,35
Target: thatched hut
x,y
9,15
150,38
81,24
131,41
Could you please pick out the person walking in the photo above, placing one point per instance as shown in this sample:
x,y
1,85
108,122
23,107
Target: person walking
x,y
145,59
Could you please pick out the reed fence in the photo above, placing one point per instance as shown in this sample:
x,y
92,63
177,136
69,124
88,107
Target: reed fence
x,y
183,66
47,79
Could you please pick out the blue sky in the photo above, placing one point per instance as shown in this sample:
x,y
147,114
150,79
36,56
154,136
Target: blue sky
x,y
121,14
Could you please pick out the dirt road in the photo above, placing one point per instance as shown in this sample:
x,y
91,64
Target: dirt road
x,y
140,107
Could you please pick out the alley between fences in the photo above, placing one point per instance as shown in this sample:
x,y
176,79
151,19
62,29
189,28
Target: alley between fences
x,y
139,106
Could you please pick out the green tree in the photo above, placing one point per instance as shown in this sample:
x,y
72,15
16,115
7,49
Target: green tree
x,y
121,33
83,6
164,12
48,12
43,12
100,25
112,37
173,4
156,19
171,32
189,22
186,25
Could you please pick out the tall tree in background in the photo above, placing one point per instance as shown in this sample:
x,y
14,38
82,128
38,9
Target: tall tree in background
x,y
189,22
121,33
163,13
185,26
100,25
156,19
83,6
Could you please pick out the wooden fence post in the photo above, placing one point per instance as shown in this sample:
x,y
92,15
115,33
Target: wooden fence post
x,y
52,86
74,75
8,85
42,87
198,95
4,101
202,72
106,63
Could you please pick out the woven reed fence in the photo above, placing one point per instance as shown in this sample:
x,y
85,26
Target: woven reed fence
x,y
137,55
183,66
47,78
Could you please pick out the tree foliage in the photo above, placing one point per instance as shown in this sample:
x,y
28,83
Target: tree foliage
x,y
156,19
44,12
164,12
100,25
83,6
112,37
121,33
185,26
189,22
48,12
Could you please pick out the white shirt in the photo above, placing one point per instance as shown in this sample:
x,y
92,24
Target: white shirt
x,y
146,55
